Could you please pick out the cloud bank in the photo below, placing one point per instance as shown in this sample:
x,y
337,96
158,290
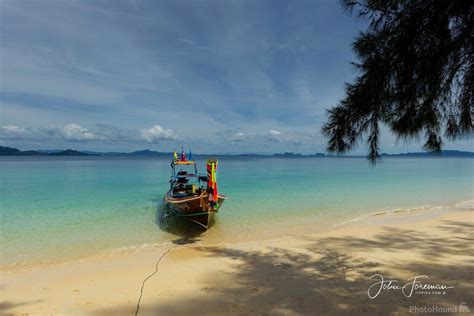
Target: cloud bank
x,y
99,133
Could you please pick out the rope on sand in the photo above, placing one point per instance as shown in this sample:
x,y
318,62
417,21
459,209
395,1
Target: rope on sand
x,y
148,277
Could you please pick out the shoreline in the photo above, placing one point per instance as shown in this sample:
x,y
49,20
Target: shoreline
x,y
369,218
97,285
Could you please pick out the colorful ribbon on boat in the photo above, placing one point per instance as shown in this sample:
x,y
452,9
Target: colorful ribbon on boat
x,y
213,195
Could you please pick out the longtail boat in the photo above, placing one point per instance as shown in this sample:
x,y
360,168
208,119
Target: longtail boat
x,y
193,196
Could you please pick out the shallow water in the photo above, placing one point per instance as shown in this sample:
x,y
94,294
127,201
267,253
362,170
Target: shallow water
x,y
59,208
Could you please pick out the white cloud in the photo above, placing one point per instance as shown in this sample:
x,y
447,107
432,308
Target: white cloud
x,y
278,138
12,132
235,137
74,132
13,129
239,137
70,132
157,133
289,137
116,134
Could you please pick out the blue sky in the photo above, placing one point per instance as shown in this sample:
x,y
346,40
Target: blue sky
x,y
217,76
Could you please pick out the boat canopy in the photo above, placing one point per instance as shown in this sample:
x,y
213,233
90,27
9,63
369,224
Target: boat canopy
x,y
186,162
182,160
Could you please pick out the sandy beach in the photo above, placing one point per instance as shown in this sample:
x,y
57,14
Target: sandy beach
x,y
326,273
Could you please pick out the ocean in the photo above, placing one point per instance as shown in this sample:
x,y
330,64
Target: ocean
x,y
61,208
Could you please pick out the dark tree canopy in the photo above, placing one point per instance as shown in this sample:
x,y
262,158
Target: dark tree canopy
x,y
416,75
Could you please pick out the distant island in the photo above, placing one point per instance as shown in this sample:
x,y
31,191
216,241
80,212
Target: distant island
x,y
10,151
444,153
296,155
70,152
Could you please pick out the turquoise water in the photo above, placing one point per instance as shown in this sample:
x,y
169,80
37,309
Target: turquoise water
x,y
56,208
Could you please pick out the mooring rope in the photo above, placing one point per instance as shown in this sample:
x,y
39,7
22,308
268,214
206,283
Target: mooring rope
x,y
148,277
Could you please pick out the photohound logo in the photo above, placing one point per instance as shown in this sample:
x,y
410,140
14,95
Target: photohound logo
x,y
461,308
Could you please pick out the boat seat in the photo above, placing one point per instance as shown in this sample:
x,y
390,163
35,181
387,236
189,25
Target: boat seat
x,y
180,191
182,180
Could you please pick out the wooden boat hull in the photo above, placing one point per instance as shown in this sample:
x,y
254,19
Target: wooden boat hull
x,y
194,209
